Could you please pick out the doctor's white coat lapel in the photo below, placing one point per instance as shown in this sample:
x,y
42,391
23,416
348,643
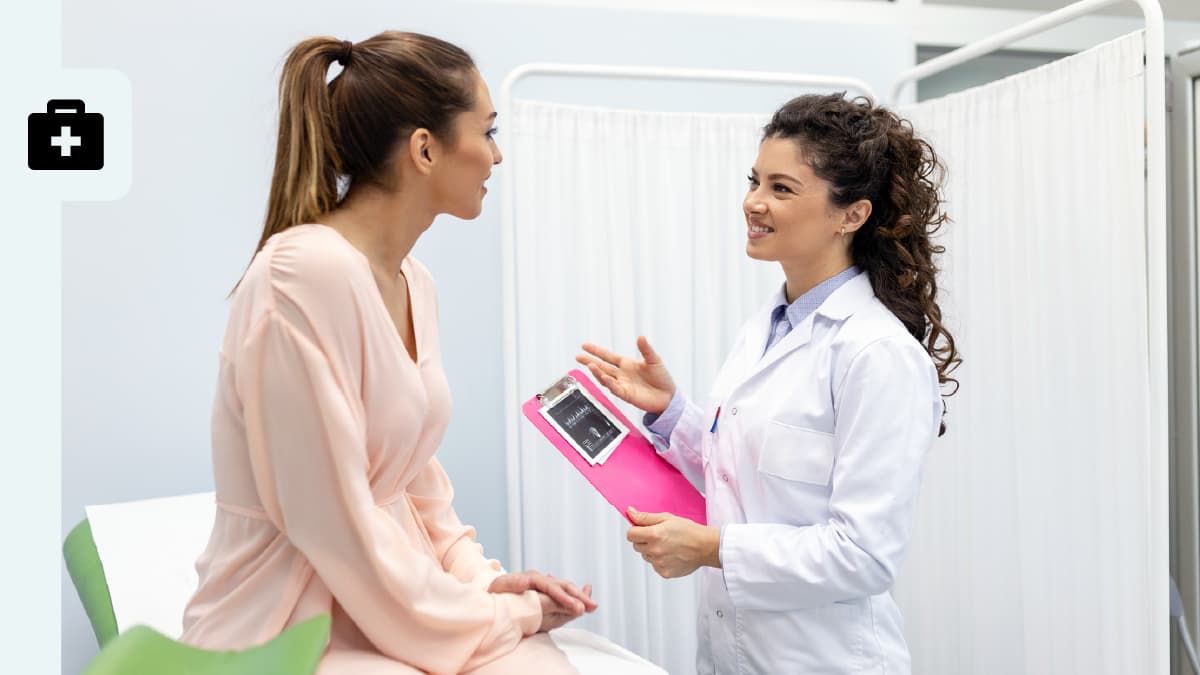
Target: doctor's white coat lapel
x,y
841,304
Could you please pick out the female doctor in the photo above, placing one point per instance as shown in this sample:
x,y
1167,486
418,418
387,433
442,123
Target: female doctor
x,y
810,446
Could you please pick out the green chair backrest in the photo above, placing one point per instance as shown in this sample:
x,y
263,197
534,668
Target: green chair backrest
x,y
83,564
144,651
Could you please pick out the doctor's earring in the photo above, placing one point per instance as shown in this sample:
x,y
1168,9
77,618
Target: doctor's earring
x,y
843,233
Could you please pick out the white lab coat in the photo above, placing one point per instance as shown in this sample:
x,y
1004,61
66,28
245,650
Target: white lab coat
x,y
811,476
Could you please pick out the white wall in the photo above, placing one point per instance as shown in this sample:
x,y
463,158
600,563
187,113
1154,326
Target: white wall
x,y
930,23
144,278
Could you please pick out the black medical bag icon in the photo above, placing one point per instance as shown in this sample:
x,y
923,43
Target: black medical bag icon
x,y
66,137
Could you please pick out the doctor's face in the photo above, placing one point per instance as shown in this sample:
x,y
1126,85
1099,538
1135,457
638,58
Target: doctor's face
x,y
789,217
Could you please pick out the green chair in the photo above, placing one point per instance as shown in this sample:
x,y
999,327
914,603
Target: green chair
x,y
144,651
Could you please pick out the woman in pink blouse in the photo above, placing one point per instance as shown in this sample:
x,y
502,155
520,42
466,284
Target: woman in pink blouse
x,y
331,400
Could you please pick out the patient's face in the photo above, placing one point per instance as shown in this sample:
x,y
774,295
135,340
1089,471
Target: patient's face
x,y
789,218
459,183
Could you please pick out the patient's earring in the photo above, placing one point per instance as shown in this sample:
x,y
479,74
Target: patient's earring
x,y
843,233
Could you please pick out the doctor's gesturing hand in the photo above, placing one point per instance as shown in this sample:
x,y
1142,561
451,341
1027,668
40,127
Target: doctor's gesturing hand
x,y
645,384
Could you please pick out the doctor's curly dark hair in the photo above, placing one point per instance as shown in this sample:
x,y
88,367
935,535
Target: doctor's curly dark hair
x,y
865,151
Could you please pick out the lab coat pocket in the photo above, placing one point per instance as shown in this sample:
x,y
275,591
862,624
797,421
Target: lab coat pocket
x,y
827,639
798,454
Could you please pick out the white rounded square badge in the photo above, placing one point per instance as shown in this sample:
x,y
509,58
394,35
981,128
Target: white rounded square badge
x,y
79,141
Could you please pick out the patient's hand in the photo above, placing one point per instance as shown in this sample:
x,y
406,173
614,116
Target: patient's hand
x,y
564,594
554,615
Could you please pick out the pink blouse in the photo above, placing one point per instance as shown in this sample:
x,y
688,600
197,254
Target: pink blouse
x,y
329,497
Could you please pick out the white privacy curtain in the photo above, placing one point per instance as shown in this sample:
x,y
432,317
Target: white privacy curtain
x,y
626,223
1031,552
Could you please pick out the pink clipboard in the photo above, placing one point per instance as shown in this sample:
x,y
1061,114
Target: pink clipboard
x,y
633,475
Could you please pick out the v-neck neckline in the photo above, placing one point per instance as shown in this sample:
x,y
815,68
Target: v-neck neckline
x,y
405,269
415,354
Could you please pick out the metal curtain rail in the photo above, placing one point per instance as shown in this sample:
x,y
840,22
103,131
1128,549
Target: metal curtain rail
x,y
998,41
512,397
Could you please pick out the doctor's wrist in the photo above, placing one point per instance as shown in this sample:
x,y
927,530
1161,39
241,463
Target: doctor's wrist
x,y
711,545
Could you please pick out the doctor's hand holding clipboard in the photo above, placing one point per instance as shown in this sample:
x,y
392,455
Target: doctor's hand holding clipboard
x,y
810,443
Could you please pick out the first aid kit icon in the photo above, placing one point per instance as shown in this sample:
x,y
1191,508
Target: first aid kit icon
x,y
66,137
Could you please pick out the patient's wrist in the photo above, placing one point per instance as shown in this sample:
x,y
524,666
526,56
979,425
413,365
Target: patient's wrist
x,y
525,608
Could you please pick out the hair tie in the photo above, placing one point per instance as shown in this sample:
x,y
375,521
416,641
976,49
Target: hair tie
x,y
343,57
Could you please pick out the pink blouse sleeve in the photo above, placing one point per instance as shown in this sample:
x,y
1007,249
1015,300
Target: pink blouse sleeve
x,y
308,452
455,543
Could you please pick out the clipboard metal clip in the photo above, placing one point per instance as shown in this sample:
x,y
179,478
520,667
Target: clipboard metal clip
x,y
557,390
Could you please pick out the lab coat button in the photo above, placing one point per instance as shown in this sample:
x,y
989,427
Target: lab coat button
x,y
725,477
720,614
733,412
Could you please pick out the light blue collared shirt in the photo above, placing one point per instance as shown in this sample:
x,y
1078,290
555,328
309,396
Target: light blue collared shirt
x,y
784,318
